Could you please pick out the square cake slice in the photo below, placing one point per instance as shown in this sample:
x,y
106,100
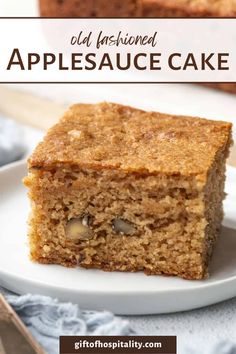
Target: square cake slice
x,y
120,189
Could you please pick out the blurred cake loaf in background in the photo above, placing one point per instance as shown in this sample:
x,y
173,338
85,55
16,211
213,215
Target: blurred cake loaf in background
x,y
224,86
90,8
134,8
189,8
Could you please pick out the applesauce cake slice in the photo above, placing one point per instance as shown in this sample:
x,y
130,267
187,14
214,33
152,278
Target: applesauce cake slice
x,y
120,189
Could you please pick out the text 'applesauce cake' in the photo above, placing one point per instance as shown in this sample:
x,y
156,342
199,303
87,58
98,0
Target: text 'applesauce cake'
x,y
117,188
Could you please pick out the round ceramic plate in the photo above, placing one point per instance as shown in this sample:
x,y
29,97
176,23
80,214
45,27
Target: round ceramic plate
x,y
122,293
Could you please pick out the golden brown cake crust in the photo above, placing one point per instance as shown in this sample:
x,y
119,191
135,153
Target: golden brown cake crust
x,y
189,8
90,8
113,136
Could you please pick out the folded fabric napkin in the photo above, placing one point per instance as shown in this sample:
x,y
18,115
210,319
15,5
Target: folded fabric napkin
x,y
12,146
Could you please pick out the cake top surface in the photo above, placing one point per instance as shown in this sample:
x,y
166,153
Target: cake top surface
x,y
213,7
108,135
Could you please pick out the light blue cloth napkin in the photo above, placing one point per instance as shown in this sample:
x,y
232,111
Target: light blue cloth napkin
x,y
47,319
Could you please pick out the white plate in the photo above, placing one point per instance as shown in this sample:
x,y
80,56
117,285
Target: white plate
x,y
122,293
